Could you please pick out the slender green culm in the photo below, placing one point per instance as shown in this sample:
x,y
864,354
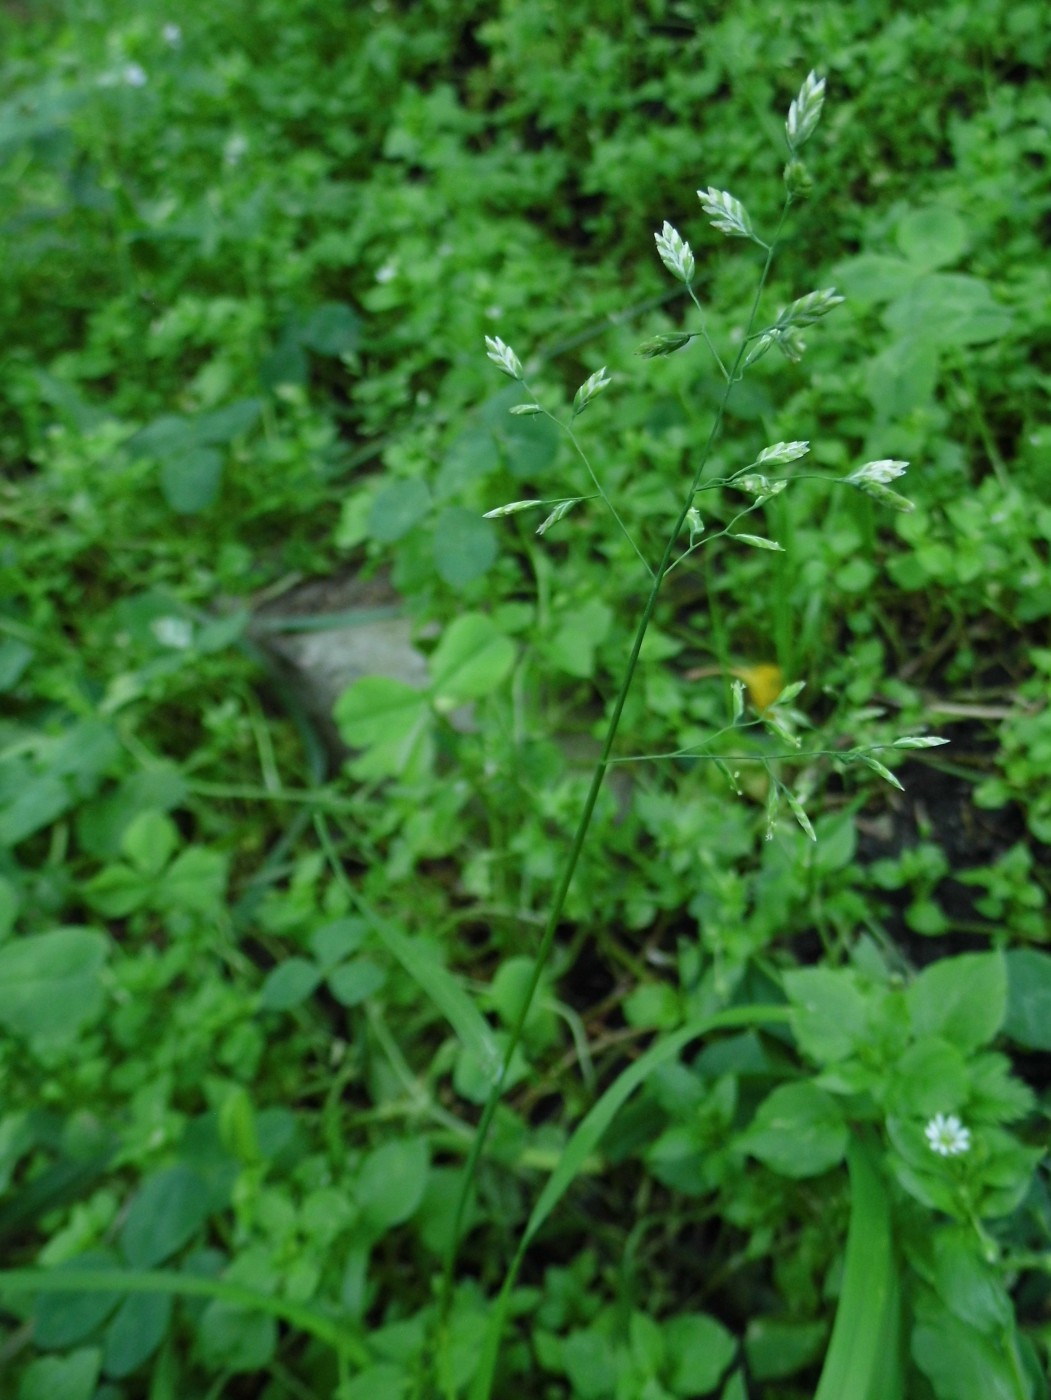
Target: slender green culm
x,y
727,215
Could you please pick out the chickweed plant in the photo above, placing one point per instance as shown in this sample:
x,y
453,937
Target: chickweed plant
x,y
893,1079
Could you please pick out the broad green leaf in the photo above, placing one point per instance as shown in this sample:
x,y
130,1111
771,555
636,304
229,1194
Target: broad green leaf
x,y
458,1360
289,984
798,1131
735,1388
829,1012
176,434
118,891
29,800
377,709
333,942
949,310
191,481
506,994
590,1363
573,646
874,277
168,1210
464,546
406,756
970,1288
391,722
333,329
136,1332
863,1361
933,237
286,363
1028,1020
15,657
646,1343
930,1077
699,1351
959,1362
903,376
86,751
473,1076
382,1382
61,1320
397,508
10,904
776,1348
50,983
238,1125
235,1339
471,457
471,660
150,841
195,880
529,444
653,1004
995,1095
222,425
72,1377
354,982
170,435
962,999
392,1180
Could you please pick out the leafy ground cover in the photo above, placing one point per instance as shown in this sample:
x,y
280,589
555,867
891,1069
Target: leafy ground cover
x,y
774,1123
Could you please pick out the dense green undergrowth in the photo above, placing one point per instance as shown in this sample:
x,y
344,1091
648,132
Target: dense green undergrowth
x,y
776,1123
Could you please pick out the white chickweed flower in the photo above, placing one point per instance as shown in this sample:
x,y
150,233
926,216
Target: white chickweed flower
x,y
805,111
172,35
134,75
675,253
946,1135
503,356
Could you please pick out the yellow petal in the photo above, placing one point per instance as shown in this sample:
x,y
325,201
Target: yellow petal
x,y
764,682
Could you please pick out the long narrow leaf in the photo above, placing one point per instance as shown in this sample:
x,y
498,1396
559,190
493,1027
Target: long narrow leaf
x,y
582,1145
864,1357
420,960
336,1334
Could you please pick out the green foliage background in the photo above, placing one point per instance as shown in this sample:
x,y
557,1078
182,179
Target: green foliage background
x,y
250,993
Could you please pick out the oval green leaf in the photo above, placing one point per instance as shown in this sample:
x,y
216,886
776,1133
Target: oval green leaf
x,y
471,660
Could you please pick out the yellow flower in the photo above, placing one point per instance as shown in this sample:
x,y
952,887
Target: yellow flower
x,y
764,682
